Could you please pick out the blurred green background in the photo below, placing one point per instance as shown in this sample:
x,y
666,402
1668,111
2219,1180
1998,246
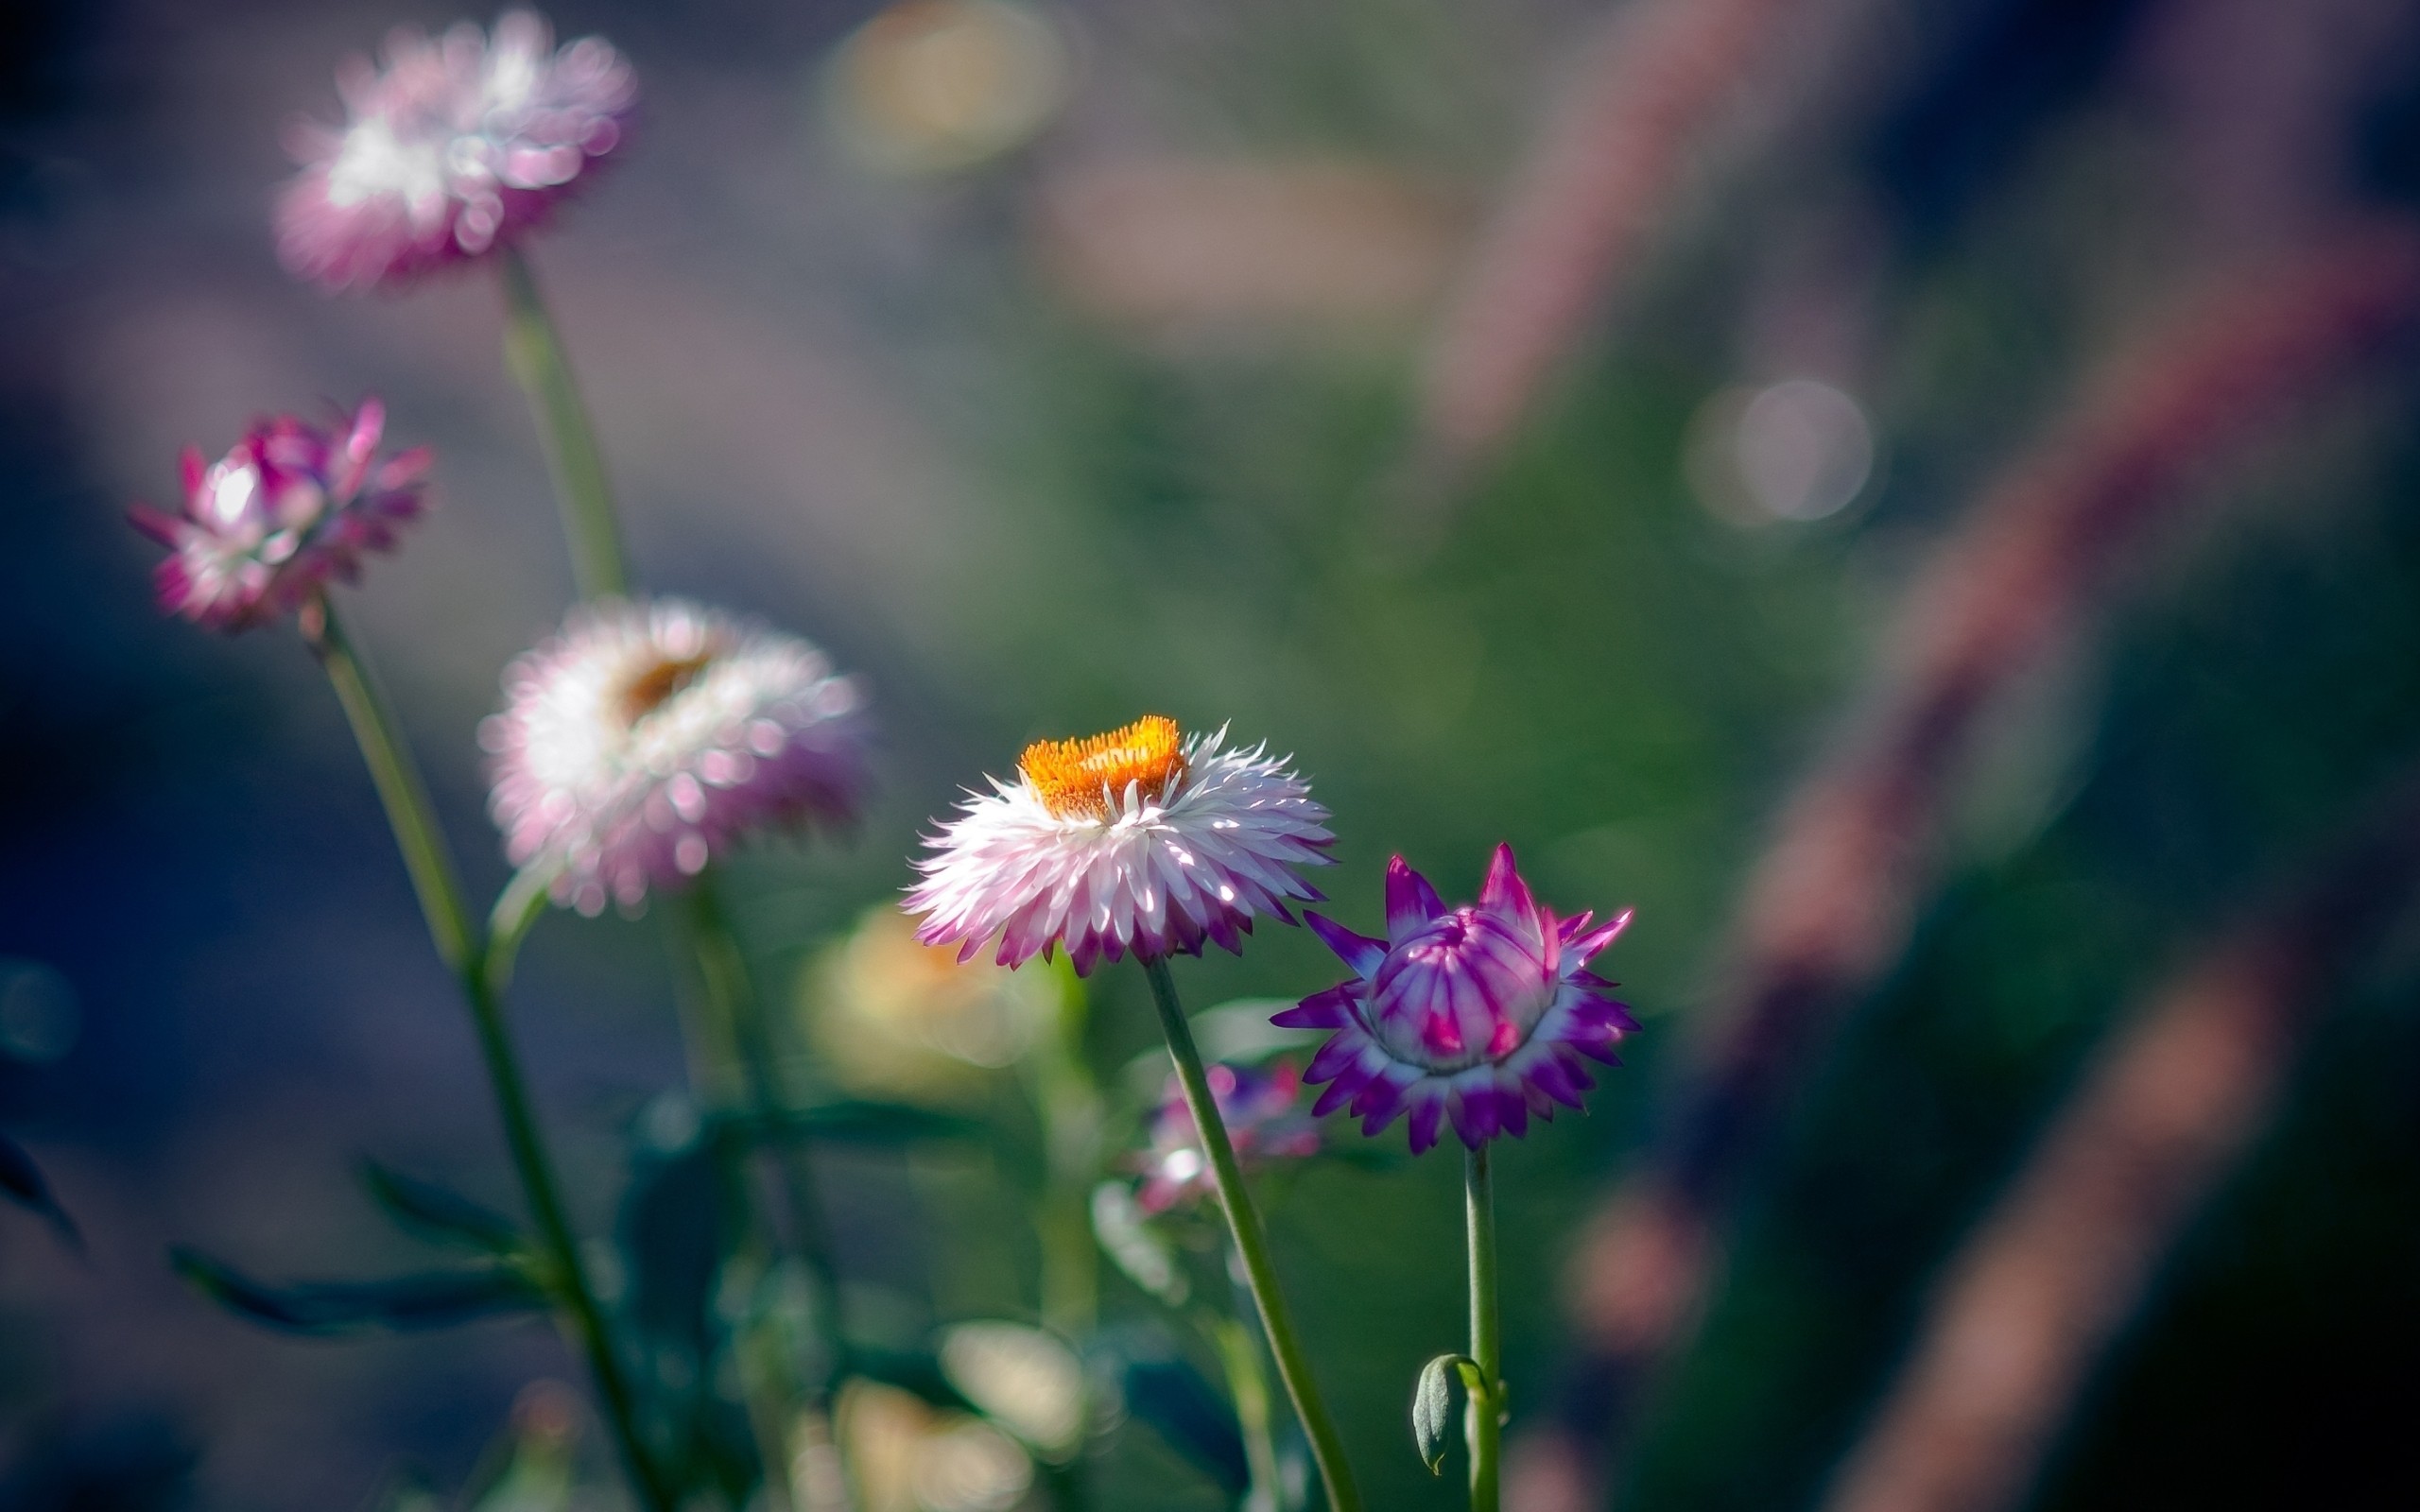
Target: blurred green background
x,y
1100,399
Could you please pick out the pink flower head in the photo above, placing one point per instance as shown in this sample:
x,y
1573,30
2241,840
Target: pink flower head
x,y
1141,839
291,507
1263,1119
457,145
1486,1013
644,740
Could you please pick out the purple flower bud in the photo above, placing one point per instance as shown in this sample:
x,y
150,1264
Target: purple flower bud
x,y
1482,1014
291,507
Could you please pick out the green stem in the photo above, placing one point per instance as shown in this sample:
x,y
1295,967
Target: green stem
x,y
465,952
738,1032
1067,1102
1252,1245
1483,1420
534,352
1239,1358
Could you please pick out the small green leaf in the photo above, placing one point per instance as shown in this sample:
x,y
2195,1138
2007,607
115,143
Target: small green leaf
x,y
1432,1405
432,1300
433,1213
22,1181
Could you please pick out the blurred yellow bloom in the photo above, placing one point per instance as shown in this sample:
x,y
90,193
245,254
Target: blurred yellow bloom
x,y
902,1019
908,1458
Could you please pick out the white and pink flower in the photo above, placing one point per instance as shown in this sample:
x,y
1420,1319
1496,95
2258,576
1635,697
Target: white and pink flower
x,y
644,740
458,145
1139,840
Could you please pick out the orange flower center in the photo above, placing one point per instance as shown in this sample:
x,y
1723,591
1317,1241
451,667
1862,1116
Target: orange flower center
x,y
657,686
1090,777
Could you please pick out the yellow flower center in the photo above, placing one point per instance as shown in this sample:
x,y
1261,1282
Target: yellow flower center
x,y
1090,777
658,685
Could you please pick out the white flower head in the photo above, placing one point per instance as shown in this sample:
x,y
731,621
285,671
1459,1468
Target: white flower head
x,y
1140,839
644,740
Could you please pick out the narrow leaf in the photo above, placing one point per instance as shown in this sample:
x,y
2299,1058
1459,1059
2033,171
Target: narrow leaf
x,y
1432,1406
432,1300
1192,1417
23,1181
434,1212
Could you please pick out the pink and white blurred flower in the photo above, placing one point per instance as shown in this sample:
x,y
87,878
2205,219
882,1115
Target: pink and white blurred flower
x,y
1482,1014
292,507
1141,839
1264,1121
643,740
457,145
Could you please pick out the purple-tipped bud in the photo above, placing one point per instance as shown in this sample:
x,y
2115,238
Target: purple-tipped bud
x,y
1480,1015
291,507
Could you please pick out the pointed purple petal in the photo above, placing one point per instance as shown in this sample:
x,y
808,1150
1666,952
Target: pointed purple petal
x,y
1410,902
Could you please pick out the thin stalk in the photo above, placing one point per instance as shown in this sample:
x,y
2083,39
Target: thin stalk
x,y
1067,1102
534,352
1252,1244
737,1034
1239,1358
465,952
1483,1418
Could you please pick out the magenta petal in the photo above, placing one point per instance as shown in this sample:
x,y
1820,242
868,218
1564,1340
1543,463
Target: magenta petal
x,y
1411,900
1589,944
1328,1009
1359,952
1504,892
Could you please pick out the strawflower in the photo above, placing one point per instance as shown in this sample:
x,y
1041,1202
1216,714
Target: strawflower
x,y
643,740
1264,1123
1482,1014
291,508
1141,839
457,145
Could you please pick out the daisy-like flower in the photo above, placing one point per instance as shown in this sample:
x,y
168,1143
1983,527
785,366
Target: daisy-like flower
x,y
1264,1123
293,506
643,740
458,145
1483,1014
1139,840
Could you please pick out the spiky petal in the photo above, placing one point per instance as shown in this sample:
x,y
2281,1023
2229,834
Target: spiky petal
x,y
645,739
456,145
1480,1015
1212,838
293,506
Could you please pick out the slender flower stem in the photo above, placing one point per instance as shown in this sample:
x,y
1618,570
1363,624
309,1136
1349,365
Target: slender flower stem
x,y
1239,1358
1483,1419
534,352
465,952
738,1034
1252,1244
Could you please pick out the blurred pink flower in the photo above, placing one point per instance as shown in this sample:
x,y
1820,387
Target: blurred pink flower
x,y
460,145
291,507
1140,839
644,740
1264,1123
1481,1013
